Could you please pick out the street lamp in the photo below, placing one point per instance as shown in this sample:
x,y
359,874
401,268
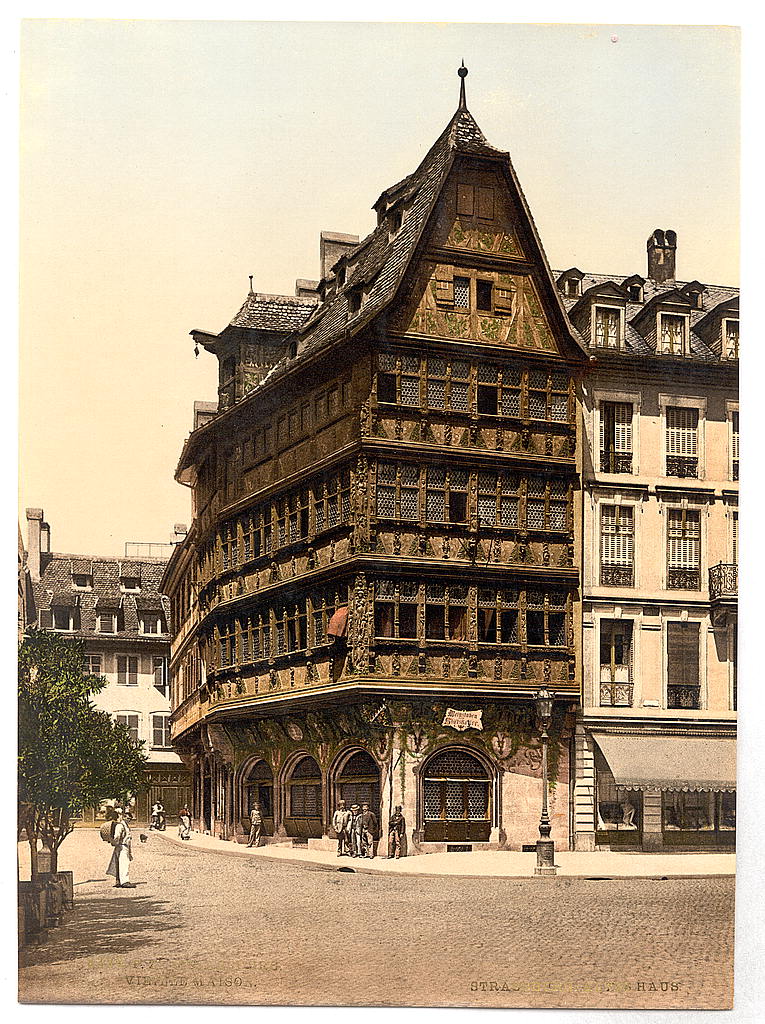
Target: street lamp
x,y
545,845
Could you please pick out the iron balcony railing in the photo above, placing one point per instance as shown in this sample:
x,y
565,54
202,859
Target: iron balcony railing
x,y
723,581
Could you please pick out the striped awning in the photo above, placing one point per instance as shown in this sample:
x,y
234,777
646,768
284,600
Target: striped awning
x,y
338,624
670,762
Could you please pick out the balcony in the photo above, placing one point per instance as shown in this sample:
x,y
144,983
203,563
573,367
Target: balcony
x,y
723,582
723,591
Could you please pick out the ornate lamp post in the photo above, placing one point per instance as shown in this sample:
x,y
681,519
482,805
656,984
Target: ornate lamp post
x,y
545,845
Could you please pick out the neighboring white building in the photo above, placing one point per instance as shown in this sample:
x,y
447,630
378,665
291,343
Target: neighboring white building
x,y
115,606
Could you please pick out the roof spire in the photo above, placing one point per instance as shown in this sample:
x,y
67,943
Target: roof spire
x,y
251,276
462,72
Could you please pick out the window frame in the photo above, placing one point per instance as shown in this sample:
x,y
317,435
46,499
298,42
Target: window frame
x,y
621,508
604,307
670,512
684,402
685,321
699,685
129,674
130,715
164,716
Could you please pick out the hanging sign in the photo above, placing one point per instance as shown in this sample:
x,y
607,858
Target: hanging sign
x,y
462,720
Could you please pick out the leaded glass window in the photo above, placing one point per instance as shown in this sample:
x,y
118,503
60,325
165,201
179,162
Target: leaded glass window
x,y
462,293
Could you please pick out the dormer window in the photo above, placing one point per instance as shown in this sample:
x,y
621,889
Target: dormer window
x,y
107,621
730,338
341,276
572,288
65,618
152,623
80,581
635,293
672,334
608,323
355,298
130,584
394,224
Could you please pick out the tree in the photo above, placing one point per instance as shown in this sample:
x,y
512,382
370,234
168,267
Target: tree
x,y
71,755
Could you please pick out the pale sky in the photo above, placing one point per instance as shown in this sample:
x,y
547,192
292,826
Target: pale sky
x,y
164,162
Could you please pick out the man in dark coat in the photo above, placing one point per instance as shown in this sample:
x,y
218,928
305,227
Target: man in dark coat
x,y
396,834
368,831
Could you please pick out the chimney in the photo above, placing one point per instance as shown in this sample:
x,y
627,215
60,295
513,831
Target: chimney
x,y
38,540
662,246
179,532
331,247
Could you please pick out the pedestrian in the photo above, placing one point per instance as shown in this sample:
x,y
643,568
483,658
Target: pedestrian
x,y
184,823
396,834
341,823
119,865
368,832
256,825
356,830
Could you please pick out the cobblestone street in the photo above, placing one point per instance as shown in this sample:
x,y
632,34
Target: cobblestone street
x,y
205,927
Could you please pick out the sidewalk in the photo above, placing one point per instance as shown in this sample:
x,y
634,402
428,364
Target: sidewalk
x,y
491,863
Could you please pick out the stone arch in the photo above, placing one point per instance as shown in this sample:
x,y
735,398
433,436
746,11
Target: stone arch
x,y
255,781
355,776
301,795
458,795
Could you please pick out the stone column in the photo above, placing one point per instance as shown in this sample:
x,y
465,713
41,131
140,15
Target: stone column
x,y
584,795
652,834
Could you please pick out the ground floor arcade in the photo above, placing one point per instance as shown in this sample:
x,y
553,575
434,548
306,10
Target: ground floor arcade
x,y
465,777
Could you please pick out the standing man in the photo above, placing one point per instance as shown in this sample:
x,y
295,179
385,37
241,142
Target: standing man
x,y
356,829
119,865
341,823
396,834
256,825
368,832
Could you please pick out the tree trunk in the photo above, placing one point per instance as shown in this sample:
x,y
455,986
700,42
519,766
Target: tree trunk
x,y
32,840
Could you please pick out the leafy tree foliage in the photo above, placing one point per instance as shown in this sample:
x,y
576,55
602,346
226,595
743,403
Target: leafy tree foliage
x,y
71,755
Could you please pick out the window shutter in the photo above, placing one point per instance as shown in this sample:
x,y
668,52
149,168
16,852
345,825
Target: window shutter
x,y
622,428
486,203
682,431
734,436
444,278
46,618
465,200
504,298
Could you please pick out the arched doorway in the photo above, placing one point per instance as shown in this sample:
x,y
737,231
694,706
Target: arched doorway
x,y
258,787
456,798
358,781
303,800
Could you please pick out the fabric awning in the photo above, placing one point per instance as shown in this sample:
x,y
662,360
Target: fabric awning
x,y
338,624
670,762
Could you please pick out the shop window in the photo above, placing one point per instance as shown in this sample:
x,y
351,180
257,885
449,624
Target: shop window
x,y
616,437
615,663
683,549
682,429
698,813
456,797
619,810
683,690
617,545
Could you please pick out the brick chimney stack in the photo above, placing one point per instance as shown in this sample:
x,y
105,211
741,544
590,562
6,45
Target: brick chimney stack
x,y
662,247
38,540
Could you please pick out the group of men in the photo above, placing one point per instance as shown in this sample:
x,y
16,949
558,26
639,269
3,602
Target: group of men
x,y
356,830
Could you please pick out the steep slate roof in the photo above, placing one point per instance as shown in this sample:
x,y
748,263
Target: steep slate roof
x,y
55,588
635,343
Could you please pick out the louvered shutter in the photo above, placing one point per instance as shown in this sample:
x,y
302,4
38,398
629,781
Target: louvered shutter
x,y
623,428
684,539
444,278
465,200
682,431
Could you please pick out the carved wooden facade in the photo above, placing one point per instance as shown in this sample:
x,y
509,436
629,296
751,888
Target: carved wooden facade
x,y
393,511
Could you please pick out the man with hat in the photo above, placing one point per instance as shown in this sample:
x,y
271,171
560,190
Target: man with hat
x,y
119,865
341,823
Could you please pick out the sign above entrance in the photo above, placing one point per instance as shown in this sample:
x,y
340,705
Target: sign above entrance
x,y
462,720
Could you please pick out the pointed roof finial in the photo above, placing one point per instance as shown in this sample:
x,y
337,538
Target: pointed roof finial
x,y
251,284
462,72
